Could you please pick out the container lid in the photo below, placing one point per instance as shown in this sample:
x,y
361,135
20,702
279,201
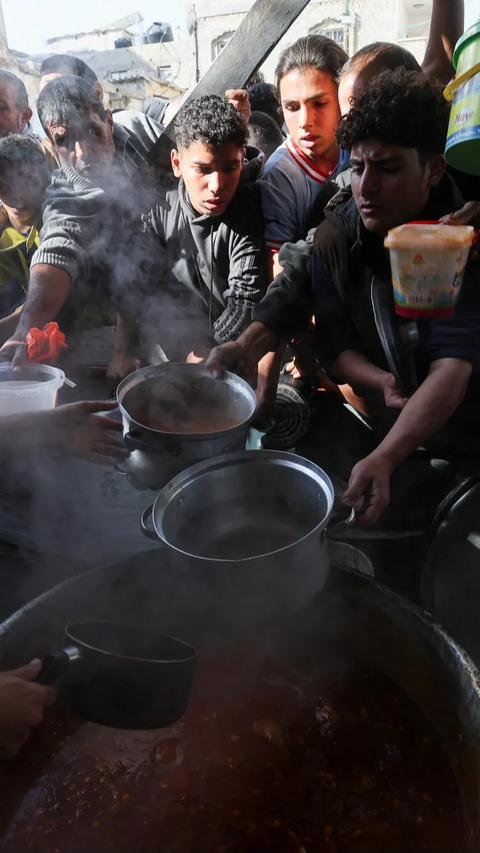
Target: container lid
x,y
429,235
34,379
472,33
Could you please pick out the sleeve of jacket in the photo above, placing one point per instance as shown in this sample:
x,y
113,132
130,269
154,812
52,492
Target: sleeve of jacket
x,y
459,336
247,278
71,218
333,326
288,305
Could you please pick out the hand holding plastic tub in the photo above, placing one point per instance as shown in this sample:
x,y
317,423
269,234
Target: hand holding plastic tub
x,y
468,215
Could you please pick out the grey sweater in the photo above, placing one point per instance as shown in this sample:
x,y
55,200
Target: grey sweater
x,y
82,222
180,274
214,265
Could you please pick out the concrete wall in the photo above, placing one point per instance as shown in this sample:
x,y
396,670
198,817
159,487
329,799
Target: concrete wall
x,y
101,40
3,29
174,60
368,21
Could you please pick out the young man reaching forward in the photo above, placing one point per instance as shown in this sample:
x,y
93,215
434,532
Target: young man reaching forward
x,y
396,134
203,261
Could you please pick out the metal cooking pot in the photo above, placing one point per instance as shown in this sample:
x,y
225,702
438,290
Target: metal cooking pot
x,y
180,393
121,675
255,523
378,625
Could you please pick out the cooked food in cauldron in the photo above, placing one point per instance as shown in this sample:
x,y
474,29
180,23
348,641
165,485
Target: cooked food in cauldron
x,y
283,756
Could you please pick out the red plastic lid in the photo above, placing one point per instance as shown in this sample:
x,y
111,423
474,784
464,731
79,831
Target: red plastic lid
x,y
424,222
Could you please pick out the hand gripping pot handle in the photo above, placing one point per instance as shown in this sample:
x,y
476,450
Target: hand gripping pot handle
x,y
335,528
55,664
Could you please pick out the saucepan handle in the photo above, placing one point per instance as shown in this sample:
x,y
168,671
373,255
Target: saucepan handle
x,y
134,441
336,527
146,523
55,664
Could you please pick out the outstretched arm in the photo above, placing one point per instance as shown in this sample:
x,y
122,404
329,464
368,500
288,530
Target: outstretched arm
x,y
425,413
445,30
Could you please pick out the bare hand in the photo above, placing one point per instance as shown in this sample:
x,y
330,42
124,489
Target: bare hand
x,y
369,488
78,430
394,397
236,357
122,365
194,359
14,350
239,98
21,706
468,215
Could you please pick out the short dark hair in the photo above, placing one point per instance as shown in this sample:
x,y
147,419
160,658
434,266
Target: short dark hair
x,y
381,56
64,98
19,150
402,108
264,133
264,99
313,51
21,95
76,67
211,120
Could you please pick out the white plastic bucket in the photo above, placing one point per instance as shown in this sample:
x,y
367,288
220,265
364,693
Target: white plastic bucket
x,y
33,390
428,262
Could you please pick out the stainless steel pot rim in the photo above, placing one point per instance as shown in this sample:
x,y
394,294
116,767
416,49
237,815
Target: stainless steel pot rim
x,y
151,371
244,457
70,626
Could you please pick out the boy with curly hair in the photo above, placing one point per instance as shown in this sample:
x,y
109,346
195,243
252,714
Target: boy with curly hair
x,y
396,133
205,270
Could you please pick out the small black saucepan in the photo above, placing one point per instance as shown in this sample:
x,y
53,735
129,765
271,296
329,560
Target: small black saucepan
x,y
121,675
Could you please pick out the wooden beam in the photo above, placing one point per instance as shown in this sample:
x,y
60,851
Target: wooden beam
x,y
259,32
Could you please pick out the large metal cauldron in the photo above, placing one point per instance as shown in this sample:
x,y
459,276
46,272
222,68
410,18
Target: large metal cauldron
x,y
253,522
377,624
181,395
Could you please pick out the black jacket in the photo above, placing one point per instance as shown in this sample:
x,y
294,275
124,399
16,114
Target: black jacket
x,y
335,287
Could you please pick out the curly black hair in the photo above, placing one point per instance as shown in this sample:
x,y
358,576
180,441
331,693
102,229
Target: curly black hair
x,y
402,108
211,120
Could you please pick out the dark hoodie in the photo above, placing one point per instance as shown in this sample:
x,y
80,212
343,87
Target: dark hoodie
x,y
338,292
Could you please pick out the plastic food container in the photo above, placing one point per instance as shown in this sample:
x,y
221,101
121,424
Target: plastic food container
x,y
463,141
35,389
428,261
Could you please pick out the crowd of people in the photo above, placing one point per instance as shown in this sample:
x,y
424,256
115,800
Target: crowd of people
x,y
274,212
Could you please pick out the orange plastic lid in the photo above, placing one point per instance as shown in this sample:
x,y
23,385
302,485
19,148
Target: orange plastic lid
x,y
429,235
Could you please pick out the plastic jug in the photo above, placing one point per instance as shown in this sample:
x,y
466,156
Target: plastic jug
x,y
463,141
33,390
428,261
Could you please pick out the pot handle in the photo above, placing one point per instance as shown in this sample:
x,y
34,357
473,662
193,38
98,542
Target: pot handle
x,y
146,524
336,528
55,664
134,441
